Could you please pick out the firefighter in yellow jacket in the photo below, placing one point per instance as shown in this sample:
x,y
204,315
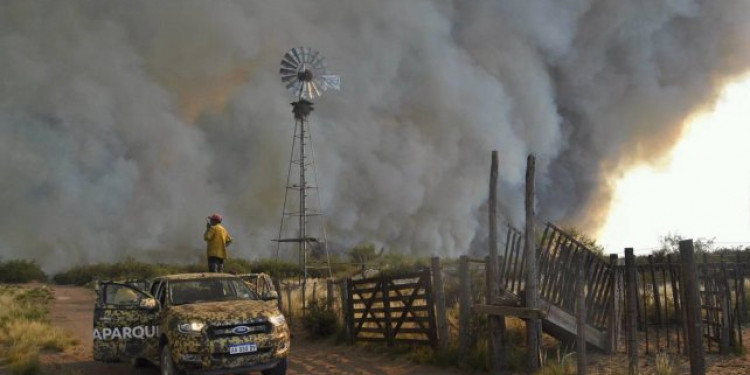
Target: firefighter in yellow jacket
x,y
217,239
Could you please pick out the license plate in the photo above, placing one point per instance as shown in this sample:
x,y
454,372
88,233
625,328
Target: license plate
x,y
243,348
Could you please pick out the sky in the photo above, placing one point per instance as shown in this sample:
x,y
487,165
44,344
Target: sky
x,y
700,190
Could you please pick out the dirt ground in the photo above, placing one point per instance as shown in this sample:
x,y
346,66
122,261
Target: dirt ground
x,y
72,309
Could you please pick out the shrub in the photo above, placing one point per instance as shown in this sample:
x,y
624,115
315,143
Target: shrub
x,y
319,320
126,269
278,269
21,271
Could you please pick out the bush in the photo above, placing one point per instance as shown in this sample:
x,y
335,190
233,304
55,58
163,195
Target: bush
x,y
21,271
319,320
126,269
278,269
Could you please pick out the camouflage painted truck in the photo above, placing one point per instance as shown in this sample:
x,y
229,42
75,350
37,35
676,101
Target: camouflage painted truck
x,y
191,323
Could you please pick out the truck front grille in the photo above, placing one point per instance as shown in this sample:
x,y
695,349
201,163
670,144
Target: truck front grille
x,y
233,330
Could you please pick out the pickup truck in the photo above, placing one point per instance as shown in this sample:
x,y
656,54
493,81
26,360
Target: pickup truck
x,y
203,323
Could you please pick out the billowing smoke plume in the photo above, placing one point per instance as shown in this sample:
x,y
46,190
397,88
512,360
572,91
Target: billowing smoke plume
x,y
123,124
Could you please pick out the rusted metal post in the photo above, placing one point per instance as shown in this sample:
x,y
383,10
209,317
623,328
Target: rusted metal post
x,y
496,323
581,317
439,292
689,283
533,325
631,315
464,312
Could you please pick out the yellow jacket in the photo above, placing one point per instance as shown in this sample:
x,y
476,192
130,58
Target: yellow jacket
x,y
217,239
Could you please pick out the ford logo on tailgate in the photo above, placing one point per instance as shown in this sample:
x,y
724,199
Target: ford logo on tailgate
x,y
240,330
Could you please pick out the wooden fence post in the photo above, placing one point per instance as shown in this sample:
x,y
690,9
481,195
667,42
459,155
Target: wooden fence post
x,y
725,299
533,325
631,317
350,310
581,316
439,291
386,293
329,294
743,302
496,323
344,304
740,274
464,312
692,306
614,307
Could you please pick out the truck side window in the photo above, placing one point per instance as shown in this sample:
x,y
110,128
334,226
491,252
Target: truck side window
x,y
116,294
154,288
160,293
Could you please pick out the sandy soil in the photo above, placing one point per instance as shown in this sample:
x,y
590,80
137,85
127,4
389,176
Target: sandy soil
x,y
72,309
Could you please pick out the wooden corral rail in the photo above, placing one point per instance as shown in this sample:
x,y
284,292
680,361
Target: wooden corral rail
x,y
558,268
392,309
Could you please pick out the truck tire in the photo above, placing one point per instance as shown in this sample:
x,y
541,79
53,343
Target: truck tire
x,y
166,363
280,369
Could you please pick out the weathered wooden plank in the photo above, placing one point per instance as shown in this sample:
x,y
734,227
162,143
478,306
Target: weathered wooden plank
x,y
581,321
350,311
632,313
519,312
695,326
566,322
464,311
657,300
442,316
612,323
533,325
430,311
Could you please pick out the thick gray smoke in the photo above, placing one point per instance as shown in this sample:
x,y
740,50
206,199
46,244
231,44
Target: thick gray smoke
x,y
123,124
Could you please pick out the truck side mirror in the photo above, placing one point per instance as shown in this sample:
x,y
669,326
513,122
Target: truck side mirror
x,y
150,304
270,295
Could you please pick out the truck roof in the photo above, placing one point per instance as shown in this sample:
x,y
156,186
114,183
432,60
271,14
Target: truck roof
x,y
192,276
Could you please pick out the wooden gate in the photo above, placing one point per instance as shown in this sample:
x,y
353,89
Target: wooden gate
x,y
392,309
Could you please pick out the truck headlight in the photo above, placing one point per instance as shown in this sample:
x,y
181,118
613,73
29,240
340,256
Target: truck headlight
x,y
191,327
277,320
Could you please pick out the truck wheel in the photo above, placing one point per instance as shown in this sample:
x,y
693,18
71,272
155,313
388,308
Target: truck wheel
x,y
166,363
280,369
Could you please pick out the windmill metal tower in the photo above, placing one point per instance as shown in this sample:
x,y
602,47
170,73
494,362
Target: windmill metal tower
x,y
303,72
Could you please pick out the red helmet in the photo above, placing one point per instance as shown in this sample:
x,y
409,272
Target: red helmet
x,y
215,217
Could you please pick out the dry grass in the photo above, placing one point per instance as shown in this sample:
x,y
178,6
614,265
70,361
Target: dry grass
x,y
25,330
562,364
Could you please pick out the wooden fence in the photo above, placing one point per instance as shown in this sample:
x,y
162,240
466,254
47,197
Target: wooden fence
x,y
392,309
558,269
660,313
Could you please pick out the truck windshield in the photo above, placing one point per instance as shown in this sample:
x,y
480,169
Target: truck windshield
x,y
184,292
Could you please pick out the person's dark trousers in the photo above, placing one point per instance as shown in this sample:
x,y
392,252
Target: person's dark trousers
x,y
215,264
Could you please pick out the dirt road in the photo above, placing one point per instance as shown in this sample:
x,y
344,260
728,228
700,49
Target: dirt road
x,y
72,309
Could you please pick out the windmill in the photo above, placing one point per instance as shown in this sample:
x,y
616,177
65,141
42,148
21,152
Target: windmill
x,y
303,72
